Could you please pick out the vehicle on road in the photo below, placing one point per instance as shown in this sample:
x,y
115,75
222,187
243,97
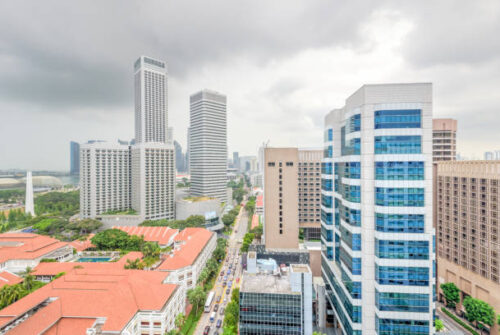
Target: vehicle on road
x,y
225,299
212,316
228,272
221,312
230,284
216,307
208,302
218,298
225,278
228,291
224,284
219,323
207,330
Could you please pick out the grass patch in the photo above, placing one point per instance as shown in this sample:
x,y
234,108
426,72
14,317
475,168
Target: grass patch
x,y
459,321
191,322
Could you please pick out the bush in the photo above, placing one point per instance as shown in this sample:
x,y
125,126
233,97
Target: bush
x,y
459,321
451,294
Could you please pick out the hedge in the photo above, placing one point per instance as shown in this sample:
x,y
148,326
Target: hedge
x,y
459,321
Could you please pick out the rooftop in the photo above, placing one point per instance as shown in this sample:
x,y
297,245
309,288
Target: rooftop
x,y
198,199
189,243
265,283
259,201
8,278
161,235
27,246
83,245
83,296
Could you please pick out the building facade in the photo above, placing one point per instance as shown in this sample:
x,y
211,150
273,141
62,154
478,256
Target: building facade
x,y
444,140
376,212
310,192
208,144
467,228
150,82
74,156
281,208
105,178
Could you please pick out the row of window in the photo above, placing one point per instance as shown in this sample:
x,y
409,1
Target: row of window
x,y
406,276
400,249
402,302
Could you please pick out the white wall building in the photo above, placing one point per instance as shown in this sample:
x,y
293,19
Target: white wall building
x,y
208,144
377,233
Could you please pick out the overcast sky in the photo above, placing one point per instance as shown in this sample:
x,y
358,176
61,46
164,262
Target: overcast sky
x,y
66,67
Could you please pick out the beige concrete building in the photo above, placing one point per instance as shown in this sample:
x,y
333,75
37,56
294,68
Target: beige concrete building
x,y
467,227
444,139
309,180
281,214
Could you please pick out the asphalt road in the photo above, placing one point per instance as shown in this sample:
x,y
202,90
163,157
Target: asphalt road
x,y
239,231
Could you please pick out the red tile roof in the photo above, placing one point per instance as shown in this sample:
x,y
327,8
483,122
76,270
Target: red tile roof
x,y
259,202
189,244
161,235
8,278
70,326
83,245
255,221
26,246
90,293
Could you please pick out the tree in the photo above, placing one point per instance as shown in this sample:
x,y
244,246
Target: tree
x,y
151,249
180,319
203,277
196,297
479,311
29,279
439,325
136,264
116,239
318,333
195,221
229,330
258,231
451,294
228,219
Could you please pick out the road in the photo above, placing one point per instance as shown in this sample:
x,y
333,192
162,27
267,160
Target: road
x,y
237,234
449,324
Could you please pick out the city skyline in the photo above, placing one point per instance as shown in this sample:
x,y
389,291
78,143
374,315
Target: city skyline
x,y
62,90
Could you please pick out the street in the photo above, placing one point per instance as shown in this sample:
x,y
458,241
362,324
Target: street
x,y
232,258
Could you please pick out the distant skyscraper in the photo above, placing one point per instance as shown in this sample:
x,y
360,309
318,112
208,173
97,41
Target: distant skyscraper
x,y
74,158
188,150
29,206
236,160
208,144
150,100
179,158
444,140
170,135
378,261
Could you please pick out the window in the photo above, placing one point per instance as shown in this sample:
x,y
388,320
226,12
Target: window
x,y
397,144
401,326
399,170
399,223
271,164
289,163
402,302
399,197
405,118
400,249
408,276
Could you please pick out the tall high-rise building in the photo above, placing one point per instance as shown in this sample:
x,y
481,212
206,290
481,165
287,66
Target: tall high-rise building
x,y
208,144
236,160
74,157
179,158
150,82
188,150
105,178
310,192
444,139
170,135
467,228
281,201
377,232
29,206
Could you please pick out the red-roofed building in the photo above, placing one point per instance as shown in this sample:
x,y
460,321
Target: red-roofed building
x,y
92,300
192,249
259,205
83,245
164,236
255,221
8,278
20,250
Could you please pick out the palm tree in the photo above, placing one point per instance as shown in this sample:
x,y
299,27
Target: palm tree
x,y
196,297
180,319
28,278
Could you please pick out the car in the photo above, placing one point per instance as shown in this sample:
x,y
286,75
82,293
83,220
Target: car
x,y
216,307
236,231
216,333
222,273
225,278
228,290
225,299
207,330
230,283
219,323
224,284
221,311
219,279
228,272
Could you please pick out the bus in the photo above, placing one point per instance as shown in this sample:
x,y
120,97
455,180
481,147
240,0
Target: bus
x,y
209,300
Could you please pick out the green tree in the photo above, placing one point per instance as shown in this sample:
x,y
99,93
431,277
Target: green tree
x,y
134,264
439,325
229,330
258,231
29,279
195,221
116,239
451,294
228,219
203,277
180,319
196,297
151,249
479,311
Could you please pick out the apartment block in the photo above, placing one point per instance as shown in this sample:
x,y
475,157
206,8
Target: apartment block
x,y
376,211
310,192
281,207
444,139
467,226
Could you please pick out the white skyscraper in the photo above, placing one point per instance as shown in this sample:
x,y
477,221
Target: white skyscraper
x,y
208,144
151,119
378,257
29,207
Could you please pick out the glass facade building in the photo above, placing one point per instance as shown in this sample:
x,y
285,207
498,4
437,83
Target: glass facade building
x,y
377,233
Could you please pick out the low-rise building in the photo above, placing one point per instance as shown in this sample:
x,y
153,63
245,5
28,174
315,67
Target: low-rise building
x,y
164,236
20,250
277,301
208,207
8,278
192,249
92,301
259,205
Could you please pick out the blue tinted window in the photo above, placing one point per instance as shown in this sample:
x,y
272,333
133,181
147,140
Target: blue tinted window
x,y
397,144
353,287
399,170
337,249
326,201
402,302
327,234
326,217
403,327
337,217
354,123
407,276
350,170
352,240
350,193
330,134
326,168
353,264
399,223
326,184
329,253
404,118
328,152
351,147
349,215
399,197
399,249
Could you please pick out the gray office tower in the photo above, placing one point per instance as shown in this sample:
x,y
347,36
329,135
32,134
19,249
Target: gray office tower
x,y
74,157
